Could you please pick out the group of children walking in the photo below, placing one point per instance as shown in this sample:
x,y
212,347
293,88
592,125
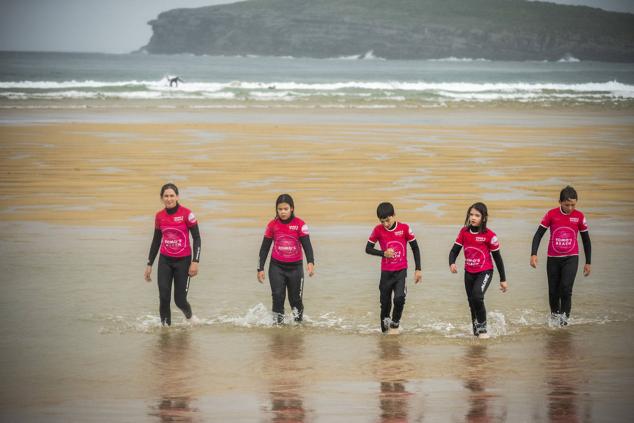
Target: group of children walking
x,y
289,238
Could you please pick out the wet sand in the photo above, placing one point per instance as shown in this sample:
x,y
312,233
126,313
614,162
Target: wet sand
x,y
80,337
109,173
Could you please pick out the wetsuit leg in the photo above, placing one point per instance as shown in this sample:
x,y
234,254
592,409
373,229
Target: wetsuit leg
x,y
181,270
568,273
553,271
385,289
277,279
165,274
479,287
469,281
295,287
400,291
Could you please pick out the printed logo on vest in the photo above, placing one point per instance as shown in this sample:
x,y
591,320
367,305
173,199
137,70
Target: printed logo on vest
x,y
563,240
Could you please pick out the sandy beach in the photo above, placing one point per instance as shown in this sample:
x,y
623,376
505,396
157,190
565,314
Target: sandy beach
x,y
109,172
81,339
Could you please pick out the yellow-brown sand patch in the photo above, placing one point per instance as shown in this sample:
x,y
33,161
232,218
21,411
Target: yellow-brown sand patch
x,y
110,174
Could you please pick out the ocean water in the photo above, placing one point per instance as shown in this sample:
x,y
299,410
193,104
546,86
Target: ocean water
x,y
81,339
74,80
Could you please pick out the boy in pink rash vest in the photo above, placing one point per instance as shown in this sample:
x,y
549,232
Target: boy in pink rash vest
x,y
393,237
289,235
479,244
172,226
565,223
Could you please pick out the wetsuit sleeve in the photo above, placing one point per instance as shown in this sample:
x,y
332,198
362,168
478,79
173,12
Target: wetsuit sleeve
x,y
154,247
369,249
499,263
587,246
541,230
453,254
196,244
308,248
416,251
264,251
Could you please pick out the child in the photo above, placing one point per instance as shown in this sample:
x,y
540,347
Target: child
x,y
479,244
288,234
172,226
393,237
565,222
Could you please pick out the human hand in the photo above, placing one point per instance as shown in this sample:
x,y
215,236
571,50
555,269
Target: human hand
x,y
418,277
389,253
534,262
147,275
453,268
504,286
193,269
310,267
261,276
587,268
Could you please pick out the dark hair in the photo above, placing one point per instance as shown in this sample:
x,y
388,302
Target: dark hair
x,y
168,186
385,210
285,198
568,193
482,208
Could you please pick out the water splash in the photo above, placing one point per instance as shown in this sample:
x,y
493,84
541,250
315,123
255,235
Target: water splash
x,y
499,324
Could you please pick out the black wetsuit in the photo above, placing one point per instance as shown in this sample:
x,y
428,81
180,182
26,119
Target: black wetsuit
x,y
174,269
286,276
392,287
561,272
476,285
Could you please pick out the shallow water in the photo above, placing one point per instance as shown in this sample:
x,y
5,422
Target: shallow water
x,y
81,339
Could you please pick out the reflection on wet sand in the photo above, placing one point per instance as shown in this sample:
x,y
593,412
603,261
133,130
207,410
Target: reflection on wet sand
x,y
392,373
171,360
285,365
563,377
477,375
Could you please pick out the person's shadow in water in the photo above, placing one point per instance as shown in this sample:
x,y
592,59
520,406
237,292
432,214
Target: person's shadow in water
x,y
563,377
171,362
477,375
285,364
392,372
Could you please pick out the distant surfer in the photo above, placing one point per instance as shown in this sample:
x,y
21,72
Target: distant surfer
x,y
174,80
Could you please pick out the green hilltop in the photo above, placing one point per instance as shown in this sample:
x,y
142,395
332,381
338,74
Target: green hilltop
x,y
397,29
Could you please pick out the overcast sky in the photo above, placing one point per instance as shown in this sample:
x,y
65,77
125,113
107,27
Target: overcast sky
x,y
116,26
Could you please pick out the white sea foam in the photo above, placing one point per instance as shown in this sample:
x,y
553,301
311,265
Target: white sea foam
x,y
258,315
271,95
458,59
352,57
47,85
614,87
330,95
369,55
568,58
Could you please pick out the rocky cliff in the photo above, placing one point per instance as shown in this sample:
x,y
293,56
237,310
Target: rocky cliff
x,y
397,29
